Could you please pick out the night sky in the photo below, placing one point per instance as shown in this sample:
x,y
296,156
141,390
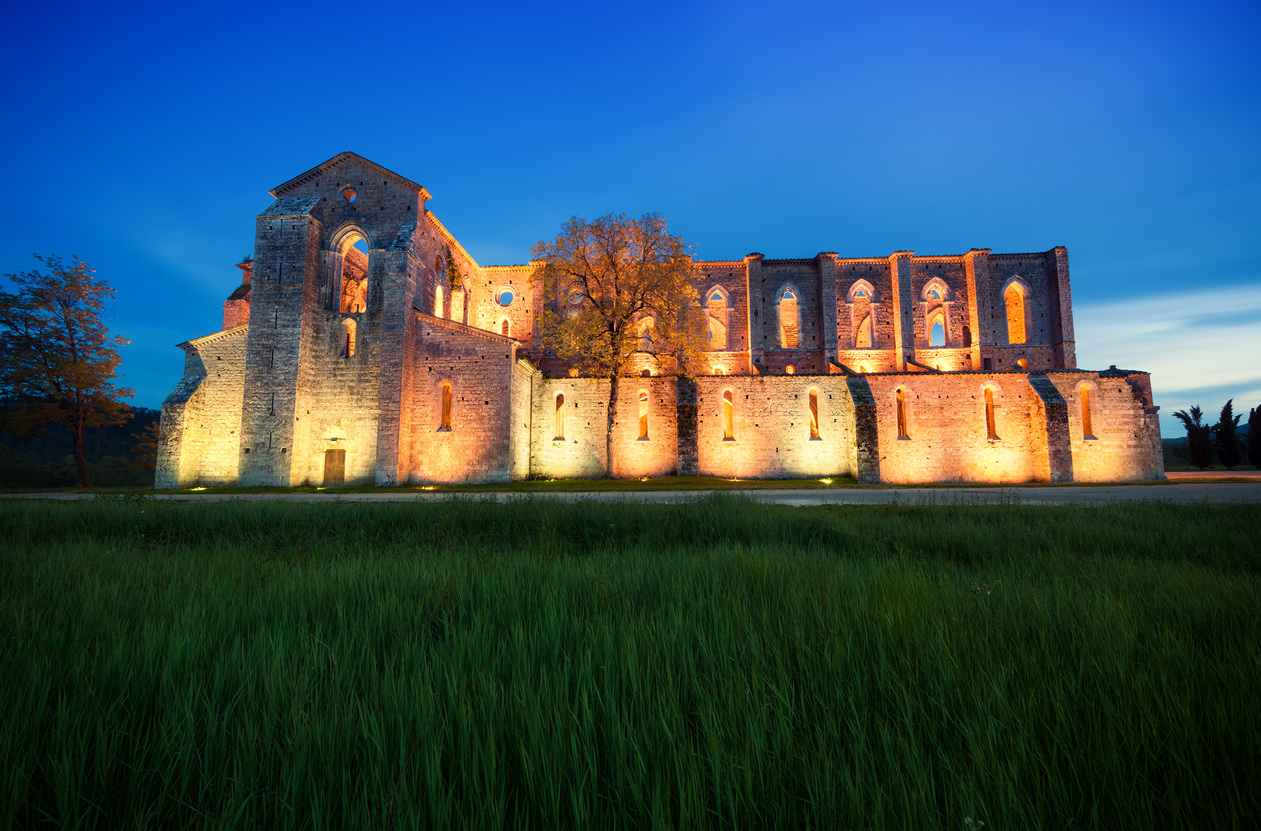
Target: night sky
x,y
143,138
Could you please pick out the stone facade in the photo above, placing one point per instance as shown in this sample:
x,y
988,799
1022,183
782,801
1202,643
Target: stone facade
x,y
365,345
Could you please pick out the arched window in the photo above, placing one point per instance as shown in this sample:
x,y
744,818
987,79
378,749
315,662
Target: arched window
x,y
353,263
967,336
560,416
789,319
863,340
719,371
445,422
991,428
716,305
437,301
643,414
348,349
1087,425
902,434
814,414
790,370
505,327
937,332
1014,296
728,417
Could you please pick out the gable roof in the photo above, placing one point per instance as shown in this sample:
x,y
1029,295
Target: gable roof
x,y
280,191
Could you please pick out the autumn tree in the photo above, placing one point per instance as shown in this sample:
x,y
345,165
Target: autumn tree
x,y
616,286
1199,436
1226,437
57,358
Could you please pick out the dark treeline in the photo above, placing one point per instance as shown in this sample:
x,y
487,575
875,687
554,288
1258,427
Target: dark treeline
x,y
116,455
1232,441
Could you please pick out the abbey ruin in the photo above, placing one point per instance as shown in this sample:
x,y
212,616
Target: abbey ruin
x,y
349,355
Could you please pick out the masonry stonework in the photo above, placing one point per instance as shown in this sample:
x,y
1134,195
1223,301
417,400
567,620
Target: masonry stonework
x,y
365,345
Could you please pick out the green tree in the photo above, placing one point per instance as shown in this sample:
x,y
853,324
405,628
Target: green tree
x,y
1254,437
57,358
1199,436
603,281
1226,437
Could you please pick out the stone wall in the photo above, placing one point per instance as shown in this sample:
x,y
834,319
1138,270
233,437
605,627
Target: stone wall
x,y
201,418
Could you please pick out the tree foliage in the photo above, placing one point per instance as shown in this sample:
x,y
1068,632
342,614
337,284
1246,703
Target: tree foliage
x,y
1226,437
604,280
1199,436
1254,437
454,278
57,358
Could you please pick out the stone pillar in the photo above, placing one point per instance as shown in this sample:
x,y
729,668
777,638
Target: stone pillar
x,y
1062,335
902,307
685,414
757,325
1051,432
827,299
976,267
865,453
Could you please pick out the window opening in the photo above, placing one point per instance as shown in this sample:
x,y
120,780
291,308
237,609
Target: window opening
x,y
445,424
728,417
354,267
647,328
991,429
504,297
967,336
1015,298
505,327
902,434
814,414
717,308
790,370
789,320
348,349
1087,428
560,415
643,414
438,298
937,335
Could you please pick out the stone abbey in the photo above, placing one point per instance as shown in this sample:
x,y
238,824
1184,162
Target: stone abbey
x,y
349,355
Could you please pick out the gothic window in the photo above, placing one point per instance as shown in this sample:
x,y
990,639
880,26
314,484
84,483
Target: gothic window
x,y
1014,296
789,319
505,327
716,305
901,403
445,423
643,414
647,327
560,416
991,428
967,336
437,301
937,331
728,417
863,340
814,414
348,347
353,249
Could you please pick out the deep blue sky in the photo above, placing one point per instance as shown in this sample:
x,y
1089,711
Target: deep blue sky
x,y
143,138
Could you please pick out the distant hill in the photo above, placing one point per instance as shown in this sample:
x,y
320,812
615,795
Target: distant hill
x,y
46,460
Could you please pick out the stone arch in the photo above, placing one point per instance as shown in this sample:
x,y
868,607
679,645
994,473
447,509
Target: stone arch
x,y
861,291
788,305
935,324
1016,299
938,287
718,315
350,248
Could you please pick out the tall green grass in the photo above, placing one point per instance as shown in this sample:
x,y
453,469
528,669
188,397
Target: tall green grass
x,y
546,664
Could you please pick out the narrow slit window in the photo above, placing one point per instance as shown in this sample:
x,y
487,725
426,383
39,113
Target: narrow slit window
x,y
991,428
643,414
728,417
560,415
814,414
437,301
445,423
1087,428
348,345
505,328
902,434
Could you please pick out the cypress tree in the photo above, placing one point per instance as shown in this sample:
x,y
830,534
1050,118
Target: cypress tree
x,y
1254,437
1199,437
1226,436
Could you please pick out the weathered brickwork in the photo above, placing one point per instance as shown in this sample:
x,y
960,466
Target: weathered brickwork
x,y
365,345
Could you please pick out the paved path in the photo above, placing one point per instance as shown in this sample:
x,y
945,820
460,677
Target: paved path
x,y
1173,492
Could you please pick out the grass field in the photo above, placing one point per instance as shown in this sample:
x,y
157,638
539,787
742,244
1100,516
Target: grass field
x,y
547,664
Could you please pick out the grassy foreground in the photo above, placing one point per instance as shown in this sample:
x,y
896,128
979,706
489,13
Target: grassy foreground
x,y
545,664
